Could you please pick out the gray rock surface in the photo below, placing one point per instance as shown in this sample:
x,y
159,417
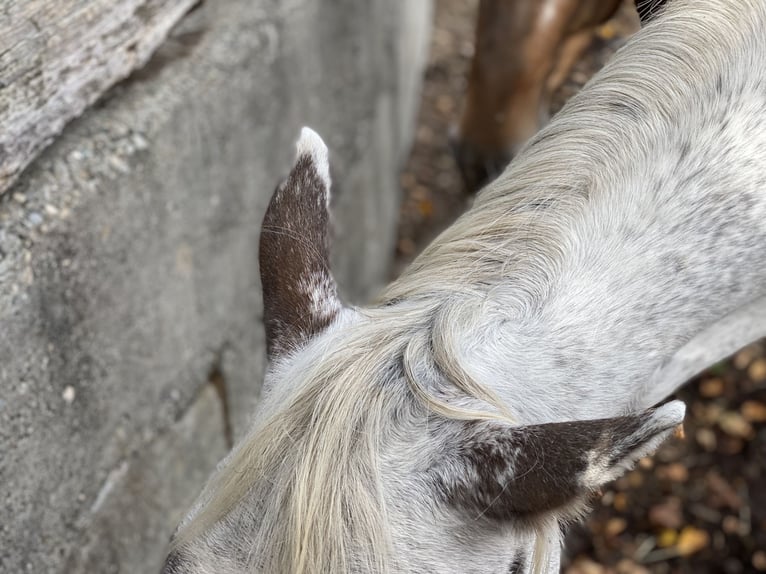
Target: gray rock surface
x,y
131,348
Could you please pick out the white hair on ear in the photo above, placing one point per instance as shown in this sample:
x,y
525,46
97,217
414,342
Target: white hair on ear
x,y
311,144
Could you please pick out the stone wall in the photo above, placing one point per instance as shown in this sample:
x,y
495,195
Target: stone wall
x,y
131,347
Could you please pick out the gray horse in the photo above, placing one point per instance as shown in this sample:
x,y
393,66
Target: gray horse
x,y
458,424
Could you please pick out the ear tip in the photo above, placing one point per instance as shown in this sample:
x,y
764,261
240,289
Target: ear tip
x,y
670,414
311,144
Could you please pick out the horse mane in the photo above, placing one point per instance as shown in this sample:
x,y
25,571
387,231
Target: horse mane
x,y
320,453
310,472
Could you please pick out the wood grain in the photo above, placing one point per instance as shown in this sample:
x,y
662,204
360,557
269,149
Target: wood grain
x,y
58,56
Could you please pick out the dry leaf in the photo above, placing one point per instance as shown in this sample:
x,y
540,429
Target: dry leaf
x,y
691,540
615,526
731,525
675,472
667,514
585,566
734,424
620,502
706,439
426,207
635,478
667,538
754,411
646,463
627,566
757,370
720,487
711,388
745,357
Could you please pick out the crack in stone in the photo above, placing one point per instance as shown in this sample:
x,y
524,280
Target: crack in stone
x,y
217,380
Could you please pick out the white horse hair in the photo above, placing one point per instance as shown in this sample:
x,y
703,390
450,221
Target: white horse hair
x,y
458,423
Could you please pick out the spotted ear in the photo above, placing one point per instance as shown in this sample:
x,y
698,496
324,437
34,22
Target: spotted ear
x,y
504,472
648,9
300,297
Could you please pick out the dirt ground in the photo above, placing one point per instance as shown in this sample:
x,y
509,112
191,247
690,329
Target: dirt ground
x,y
699,505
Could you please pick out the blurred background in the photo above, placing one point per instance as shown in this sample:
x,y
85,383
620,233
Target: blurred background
x,y
141,142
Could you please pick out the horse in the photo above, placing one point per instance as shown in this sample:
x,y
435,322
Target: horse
x,y
525,50
463,419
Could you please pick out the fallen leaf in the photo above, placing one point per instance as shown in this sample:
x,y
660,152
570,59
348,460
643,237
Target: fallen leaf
x,y
426,207
675,472
731,525
635,478
615,526
745,357
711,388
757,370
646,463
445,104
754,411
734,424
691,540
667,538
720,487
585,566
730,445
620,502
627,566
406,246
667,514
608,31
706,439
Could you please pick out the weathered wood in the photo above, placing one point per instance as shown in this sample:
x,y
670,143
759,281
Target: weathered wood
x,y
58,56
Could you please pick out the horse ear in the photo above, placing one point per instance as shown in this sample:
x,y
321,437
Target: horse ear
x,y
648,9
506,472
300,296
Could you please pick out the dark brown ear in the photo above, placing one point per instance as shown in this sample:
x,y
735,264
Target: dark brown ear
x,y
504,472
300,296
648,9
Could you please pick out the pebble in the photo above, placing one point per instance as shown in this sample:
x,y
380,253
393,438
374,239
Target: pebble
x,y
68,394
34,219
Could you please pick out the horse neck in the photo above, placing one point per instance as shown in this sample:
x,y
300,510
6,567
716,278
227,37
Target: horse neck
x,y
629,232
